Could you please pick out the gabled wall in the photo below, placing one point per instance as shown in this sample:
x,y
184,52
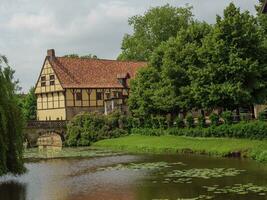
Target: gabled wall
x,y
46,72
50,95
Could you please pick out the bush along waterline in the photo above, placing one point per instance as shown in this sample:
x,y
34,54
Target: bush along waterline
x,y
87,128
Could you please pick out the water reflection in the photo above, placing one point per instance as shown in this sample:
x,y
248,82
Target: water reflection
x,y
80,179
13,190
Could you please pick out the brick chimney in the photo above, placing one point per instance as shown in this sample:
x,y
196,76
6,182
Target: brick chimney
x,y
51,54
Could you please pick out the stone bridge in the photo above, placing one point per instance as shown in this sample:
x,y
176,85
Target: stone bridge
x,y
34,129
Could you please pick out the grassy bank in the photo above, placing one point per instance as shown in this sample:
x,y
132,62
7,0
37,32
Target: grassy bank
x,y
254,149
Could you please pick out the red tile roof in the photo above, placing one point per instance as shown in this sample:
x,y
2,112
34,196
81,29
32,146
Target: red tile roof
x,y
93,73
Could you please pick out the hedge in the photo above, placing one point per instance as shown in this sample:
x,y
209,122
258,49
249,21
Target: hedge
x,y
249,130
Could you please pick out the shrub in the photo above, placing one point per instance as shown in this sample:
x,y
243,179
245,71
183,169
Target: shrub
x,y
262,116
168,121
190,121
259,156
87,128
244,117
201,121
179,122
134,122
118,133
227,117
214,119
113,120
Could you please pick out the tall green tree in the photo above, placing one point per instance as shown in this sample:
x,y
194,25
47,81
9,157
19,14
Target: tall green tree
x,y
142,91
262,20
11,122
151,29
29,105
162,87
175,58
235,65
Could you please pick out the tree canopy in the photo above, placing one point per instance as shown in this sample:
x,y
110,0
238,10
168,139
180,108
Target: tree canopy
x,y
11,122
151,29
204,67
92,56
234,65
28,103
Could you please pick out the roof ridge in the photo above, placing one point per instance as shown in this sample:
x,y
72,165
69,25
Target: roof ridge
x,y
102,59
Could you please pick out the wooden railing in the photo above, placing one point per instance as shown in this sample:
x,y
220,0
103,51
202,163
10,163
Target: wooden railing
x,y
47,124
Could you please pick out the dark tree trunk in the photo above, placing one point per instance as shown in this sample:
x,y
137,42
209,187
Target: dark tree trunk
x,y
202,113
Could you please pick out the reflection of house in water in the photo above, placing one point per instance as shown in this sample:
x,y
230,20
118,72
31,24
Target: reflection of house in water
x,y
69,86
50,141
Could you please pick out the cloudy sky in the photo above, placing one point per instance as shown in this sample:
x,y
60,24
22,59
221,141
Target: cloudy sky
x,y
29,27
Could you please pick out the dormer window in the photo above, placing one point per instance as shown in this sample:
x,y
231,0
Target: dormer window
x,y
122,81
122,78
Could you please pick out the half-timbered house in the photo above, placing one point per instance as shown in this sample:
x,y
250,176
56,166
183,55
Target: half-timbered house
x,y
67,86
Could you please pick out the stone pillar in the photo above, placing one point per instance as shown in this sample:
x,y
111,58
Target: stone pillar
x,y
112,105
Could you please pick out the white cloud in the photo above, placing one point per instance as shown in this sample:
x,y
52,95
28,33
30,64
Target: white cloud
x,y
30,22
29,27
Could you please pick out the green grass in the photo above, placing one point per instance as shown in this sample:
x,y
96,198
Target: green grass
x,y
254,149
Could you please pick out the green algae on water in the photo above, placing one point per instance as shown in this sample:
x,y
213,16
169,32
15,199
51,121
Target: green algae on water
x,y
205,173
140,166
241,189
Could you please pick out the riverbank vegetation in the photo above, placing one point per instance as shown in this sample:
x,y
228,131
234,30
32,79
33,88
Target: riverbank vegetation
x,y
87,128
11,122
253,149
28,104
250,130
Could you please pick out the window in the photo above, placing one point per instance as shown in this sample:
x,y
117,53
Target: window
x,y
122,81
78,96
52,77
119,94
99,96
108,95
43,79
52,82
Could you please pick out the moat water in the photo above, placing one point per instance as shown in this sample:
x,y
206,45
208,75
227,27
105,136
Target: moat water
x,y
138,177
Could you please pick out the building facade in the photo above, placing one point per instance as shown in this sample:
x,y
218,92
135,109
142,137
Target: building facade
x,y
69,86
